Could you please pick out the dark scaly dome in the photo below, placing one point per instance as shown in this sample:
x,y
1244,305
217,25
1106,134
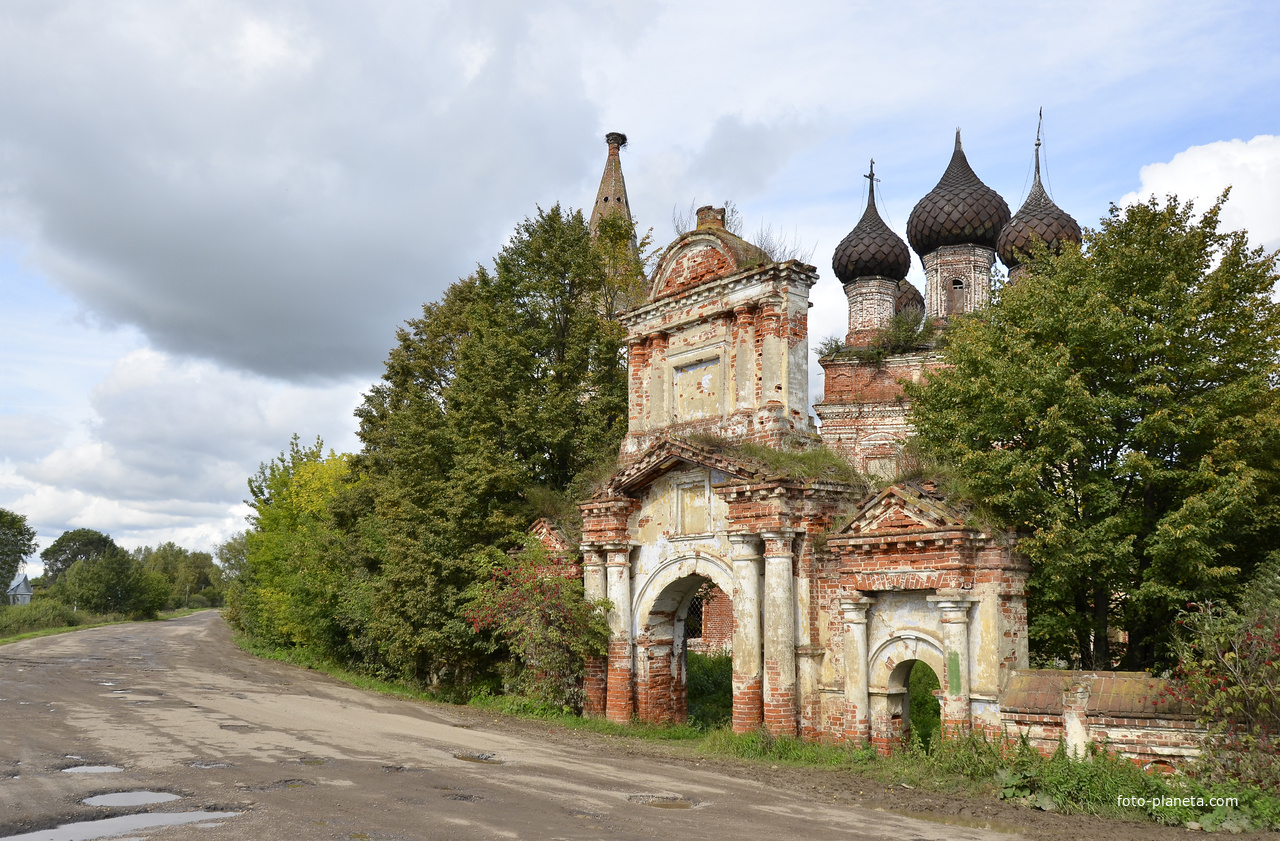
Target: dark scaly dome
x,y
1038,218
909,297
871,249
961,210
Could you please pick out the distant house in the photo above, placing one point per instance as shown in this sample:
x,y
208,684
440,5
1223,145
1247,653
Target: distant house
x,y
19,591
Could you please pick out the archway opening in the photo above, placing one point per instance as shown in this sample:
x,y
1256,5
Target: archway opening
x,y
685,669
708,641
925,714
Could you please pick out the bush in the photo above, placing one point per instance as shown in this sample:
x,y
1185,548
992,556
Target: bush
x,y
545,620
1229,672
40,614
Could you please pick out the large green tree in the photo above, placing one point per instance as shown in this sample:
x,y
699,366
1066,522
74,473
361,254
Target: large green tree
x,y
502,396
1117,405
114,581
72,546
17,542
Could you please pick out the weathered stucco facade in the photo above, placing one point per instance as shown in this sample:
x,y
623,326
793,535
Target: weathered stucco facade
x,y
835,595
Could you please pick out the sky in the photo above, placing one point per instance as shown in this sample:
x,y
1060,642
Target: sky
x,y
213,216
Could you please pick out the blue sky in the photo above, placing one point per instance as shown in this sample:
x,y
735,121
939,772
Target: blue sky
x,y
214,215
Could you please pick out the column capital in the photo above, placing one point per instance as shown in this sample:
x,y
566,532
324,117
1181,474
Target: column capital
x,y
746,546
954,605
855,609
777,543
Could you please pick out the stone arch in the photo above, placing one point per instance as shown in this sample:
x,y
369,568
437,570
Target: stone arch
x,y
890,662
888,669
659,609
656,584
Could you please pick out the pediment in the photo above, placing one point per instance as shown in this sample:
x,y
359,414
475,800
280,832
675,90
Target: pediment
x,y
668,454
699,257
908,506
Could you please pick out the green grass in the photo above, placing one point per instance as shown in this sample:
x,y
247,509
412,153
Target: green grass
x,y
15,631
926,712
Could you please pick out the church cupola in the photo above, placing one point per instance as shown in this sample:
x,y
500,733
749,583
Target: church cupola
x,y
954,229
612,196
872,263
1038,219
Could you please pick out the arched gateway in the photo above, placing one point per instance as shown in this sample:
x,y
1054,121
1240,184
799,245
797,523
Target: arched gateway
x,y
835,598
824,603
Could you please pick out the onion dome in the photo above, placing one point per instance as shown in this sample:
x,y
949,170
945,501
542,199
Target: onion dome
x,y
961,210
871,249
909,297
1038,218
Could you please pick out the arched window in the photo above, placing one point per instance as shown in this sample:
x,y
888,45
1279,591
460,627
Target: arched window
x,y
956,304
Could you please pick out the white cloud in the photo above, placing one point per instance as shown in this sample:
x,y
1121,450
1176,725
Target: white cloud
x,y
168,449
1250,168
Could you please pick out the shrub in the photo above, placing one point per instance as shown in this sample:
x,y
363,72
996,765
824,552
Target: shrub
x,y
40,614
545,620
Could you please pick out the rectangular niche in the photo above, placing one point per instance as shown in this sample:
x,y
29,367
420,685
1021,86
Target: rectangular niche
x,y
693,502
699,389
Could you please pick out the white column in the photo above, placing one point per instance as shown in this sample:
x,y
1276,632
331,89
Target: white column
x,y
779,634
857,699
748,656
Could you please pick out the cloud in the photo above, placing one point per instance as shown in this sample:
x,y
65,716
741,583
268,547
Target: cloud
x,y
1250,168
276,191
169,447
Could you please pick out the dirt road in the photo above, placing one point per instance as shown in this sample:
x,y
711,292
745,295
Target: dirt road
x,y
179,709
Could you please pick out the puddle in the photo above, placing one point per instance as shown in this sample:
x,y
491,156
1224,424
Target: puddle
x,y
483,758
465,798
238,728
960,820
89,830
276,786
659,801
130,798
204,765
92,769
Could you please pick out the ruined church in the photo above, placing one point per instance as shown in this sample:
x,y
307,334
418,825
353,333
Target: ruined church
x,y
830,598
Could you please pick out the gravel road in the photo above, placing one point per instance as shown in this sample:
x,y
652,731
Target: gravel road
x,y
296,755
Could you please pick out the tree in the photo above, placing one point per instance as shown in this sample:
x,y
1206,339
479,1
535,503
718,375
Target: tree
x,y
188,573
1117,405
114,582
17,542
72,546
512,387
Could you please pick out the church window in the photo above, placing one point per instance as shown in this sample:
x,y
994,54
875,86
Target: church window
x,y
956,304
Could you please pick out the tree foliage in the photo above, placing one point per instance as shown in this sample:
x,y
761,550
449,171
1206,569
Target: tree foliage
x,y
1117,405
112,582
504,394
17,542
194,579
72,546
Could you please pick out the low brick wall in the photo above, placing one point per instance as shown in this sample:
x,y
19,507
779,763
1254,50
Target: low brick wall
x,y
1128,712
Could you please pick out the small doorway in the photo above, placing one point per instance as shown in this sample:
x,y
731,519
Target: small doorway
x,y
925,710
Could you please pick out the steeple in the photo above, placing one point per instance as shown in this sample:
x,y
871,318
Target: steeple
x,y
612,196
1038,219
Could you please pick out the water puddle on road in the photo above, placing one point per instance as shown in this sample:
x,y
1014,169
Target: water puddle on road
x,y
661,801
92,769
90,830
130,798
482,758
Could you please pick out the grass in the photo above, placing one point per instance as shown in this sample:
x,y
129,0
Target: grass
x,y
16,631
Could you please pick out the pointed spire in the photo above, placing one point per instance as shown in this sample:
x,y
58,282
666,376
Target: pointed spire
x,y
1038,219
960,210
871,249
612,196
